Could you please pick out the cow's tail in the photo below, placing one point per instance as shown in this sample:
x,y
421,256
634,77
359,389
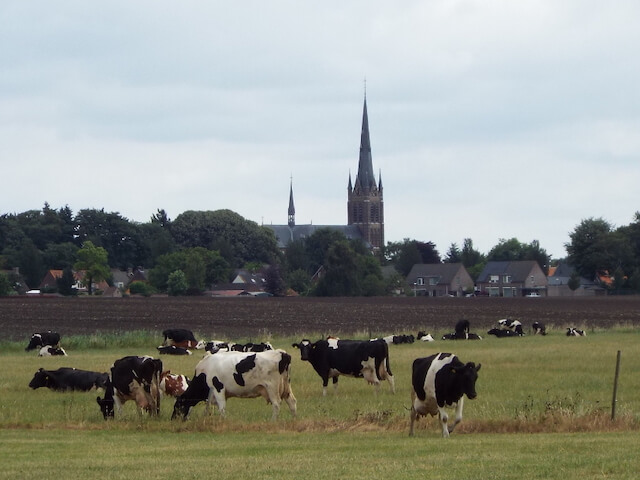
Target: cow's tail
x,y
155,387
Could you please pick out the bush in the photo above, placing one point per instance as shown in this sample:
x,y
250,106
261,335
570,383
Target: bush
x,y
141,288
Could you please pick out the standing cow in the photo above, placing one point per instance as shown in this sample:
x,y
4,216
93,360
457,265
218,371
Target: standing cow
x,y
239,374
133,378
355,358
39,340
440,381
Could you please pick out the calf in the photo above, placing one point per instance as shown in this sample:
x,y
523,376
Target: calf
x,y
239,374
39,340
173,385
132,378
575,332
48,351
440,381
64,379
539,328
181,337
355,358
173,350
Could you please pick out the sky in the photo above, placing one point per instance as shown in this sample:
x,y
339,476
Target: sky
x,y
489,119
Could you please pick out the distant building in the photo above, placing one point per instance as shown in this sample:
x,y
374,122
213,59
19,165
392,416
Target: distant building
x,y
365,206
439,280
512,279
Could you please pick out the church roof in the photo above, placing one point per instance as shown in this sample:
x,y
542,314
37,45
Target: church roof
x,y
286,234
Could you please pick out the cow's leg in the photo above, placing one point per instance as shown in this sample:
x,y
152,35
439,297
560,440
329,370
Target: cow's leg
x,y
292,403
444,418
392,383
458,414
414,417
335,384
117,403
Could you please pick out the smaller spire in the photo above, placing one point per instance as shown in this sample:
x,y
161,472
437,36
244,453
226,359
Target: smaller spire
x,y
292,209
350,187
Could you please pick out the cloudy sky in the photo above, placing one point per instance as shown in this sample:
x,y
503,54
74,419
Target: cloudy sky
x,y
488,119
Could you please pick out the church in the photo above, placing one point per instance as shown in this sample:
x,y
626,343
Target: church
x,y
365,205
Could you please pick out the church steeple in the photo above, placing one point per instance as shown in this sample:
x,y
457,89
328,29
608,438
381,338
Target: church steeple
x,y
292,210
365,179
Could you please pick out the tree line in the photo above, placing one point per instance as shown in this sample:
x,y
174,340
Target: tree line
x,y
199,249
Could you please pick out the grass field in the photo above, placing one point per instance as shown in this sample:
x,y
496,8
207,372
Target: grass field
x,y
543,411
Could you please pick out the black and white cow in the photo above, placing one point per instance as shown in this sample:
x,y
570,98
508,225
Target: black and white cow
x,y
65,378
441,381
181,337
575,332
251,347
355,358
132,378
173,350
462,328
215,346
425,337
239,374
513,325
539,328
49,351
458,336
39,340
501,333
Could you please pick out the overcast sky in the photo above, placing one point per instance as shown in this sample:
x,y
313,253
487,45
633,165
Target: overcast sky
x,y
489,119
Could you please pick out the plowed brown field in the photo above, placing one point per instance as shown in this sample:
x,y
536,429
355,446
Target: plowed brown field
x,y
257,317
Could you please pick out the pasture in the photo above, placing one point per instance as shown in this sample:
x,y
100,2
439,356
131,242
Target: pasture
x,y
543,411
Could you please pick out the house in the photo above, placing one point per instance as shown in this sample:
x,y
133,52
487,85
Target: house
x,y
558,283
512,279
439,279
50,279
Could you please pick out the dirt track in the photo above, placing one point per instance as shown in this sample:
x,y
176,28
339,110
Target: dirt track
x,y
256,317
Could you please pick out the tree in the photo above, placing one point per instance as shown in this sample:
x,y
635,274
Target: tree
x,y
340,278
453,255
274,283
574,281
177,283
594,248
5,285
299,281
201,267
409,255
94,261
66,282
513,250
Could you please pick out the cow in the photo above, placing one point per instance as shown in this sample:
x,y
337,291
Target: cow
x,y
39,340
239,374
575,332
462,328
459,336
500,333
441,381
355,358
218,345
132,378
49,351
64,379
396,339
425,337
539,328
181,337
251,347
173,350
173,385
513,325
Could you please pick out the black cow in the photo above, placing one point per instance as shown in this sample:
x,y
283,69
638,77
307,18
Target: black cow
x,y
39,340
181,337
539,328
251,347
575,332
462,328
133,378
500,333
69,379
440,381
367,359
173,350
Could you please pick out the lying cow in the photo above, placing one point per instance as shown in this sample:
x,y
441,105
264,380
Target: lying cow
x,y
173,385
251,347
49,351
500,333
132,378
461,336
239,374
39,340
355,358
575,332
441,381
425,337
64,379
215,346
181,337
539,328
173,350
513,325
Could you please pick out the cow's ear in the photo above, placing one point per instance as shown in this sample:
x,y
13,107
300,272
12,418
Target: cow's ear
x,y
40,369
295,345
98,400
478,367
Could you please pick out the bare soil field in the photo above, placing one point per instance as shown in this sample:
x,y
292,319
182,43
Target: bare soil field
x,y
258,317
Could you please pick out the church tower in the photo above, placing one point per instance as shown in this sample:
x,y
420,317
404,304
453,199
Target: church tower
x,y
365,206
291,215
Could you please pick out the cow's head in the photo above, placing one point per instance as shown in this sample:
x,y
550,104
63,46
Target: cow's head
x,y
34,342
198,391
40,379
106,406
468,374
305,347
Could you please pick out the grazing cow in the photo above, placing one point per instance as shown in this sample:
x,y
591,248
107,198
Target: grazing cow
x,y
173,350
575,332
500,333
239,374
39,340
173,385
513,325
49,351
251,347
440,381
462,328
133,378
425,337
363,359
65,378
539,328
181,337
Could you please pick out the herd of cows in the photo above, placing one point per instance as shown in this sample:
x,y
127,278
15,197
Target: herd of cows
x,y
253,370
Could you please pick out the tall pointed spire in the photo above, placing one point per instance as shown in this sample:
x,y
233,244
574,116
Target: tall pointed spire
x,y
365,178
292,209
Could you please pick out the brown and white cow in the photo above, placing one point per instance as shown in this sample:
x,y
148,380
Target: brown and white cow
x,y
239,374
132,378
173,385
440,381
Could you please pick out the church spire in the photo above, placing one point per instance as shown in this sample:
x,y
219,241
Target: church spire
x,y
365,178
292,210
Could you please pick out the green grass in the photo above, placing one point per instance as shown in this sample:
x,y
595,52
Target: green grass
x,y
543,411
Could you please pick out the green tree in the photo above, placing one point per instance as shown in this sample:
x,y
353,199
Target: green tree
x,y
574,281
274,283
140,288
94,261
177,283
66,282
341,277
5,285
299,281
453,255
201,267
